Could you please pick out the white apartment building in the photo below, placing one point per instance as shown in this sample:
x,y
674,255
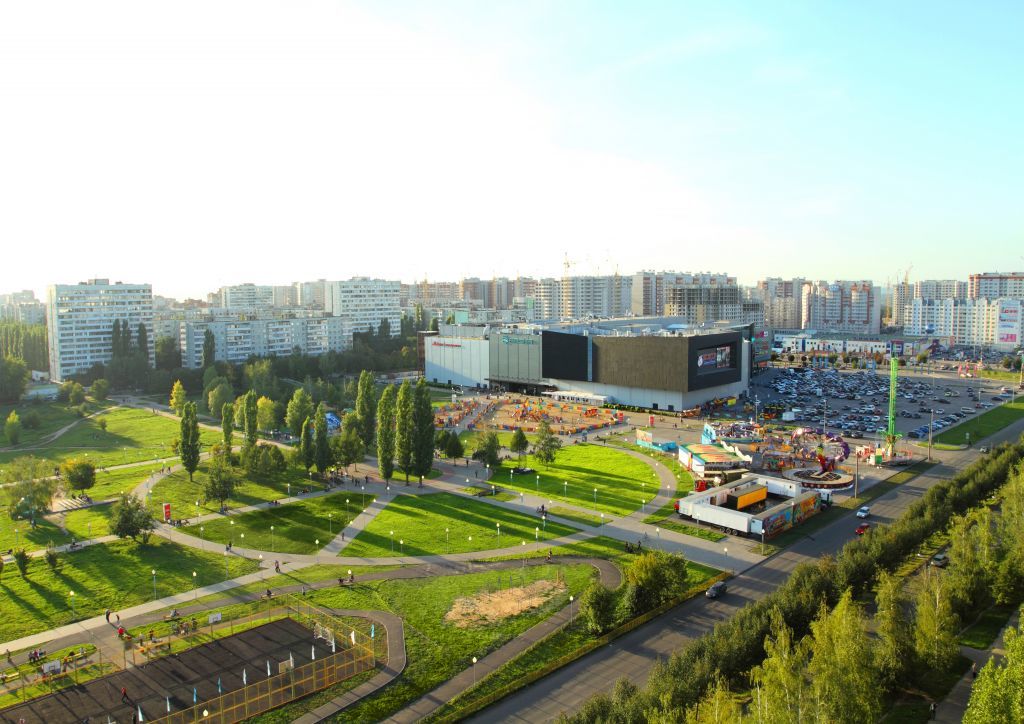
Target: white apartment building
x,y
940,289
996,323
782,299
245,297
994,285
596,296
841,306
80,321
311,294
707,299
548,298
365,302
236,340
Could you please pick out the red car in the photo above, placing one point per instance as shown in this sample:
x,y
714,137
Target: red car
x,y
862,528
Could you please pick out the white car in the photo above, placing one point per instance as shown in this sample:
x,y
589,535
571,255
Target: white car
x,y
864,511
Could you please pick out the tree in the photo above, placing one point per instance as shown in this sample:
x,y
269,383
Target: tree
x,y
14,377
131,519
366,407
99,389
321,448
250,409
423,430
220,482
178,398
219,397
12,428
597,608
168,353
454,448
780,682
306,452
142,342
227,428
29,488
386,413
935,624
80,474
299,410
998,693
547,444
209,349
77,394
718,706
895,643
188,441
404,428
268,413
348,446
519,444
434,326
488,450
384,328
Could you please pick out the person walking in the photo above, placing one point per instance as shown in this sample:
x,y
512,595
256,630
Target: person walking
x,y
107,614
124,694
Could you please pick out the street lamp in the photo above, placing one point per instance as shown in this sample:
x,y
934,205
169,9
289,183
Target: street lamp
x,y
499,535
474,671
445,540
71,595
231,528
570,608
153,571
392,541
401,546
595,496
197,509
536,533
602,518
202,533
195,590
538,483
260,566
317,551
523,544
272,539
565,488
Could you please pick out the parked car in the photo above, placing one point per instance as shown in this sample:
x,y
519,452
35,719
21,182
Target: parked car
x,y
716,589
862,528
984,449
864,511
939,560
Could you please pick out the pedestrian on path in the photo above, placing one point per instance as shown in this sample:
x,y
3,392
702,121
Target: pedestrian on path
x,y
931,711
974,669
117,617
107,614
124,694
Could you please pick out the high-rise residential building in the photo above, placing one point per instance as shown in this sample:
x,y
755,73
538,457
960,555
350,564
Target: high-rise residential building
x,y
997,323
994,285
80,322
311,294
782,299
365,302
245,297
596,296
503,291
286,296
236,339
22,307
842,306
706,299
940,289
476,291
900,295
547,294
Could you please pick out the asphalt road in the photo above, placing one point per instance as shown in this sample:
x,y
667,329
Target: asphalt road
x,y
634,654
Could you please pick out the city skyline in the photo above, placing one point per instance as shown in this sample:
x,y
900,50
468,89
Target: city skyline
x,y
461,140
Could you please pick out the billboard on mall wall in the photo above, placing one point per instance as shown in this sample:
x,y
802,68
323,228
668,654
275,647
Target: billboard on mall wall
x,y
1008,324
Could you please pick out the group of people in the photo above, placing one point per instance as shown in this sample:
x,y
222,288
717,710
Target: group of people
x,y
638,548
36,655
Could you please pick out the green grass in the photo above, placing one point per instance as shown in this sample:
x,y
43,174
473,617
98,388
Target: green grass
x,y
252,489
91,522
27,537
577,516
131,436
52,417
982,633
471,438
937,684
114,575
436,649
420,521
984,424
111,483
1001,375
908,712
675,525
621,480
911,472
296,525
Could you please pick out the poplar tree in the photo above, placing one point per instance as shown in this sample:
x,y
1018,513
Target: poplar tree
x,y
321,450
189,442
423,430
178,398
306,445
386,433
366,407
404,429
250,419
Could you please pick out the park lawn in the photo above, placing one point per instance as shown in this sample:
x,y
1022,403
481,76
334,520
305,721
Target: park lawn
x,y
983,631
579,517
113,575
684,480
471,438
251,489
436,649
131,436
420,521
984,424
673,523
111,483
52,417
296,525
622,481
91,522
19,534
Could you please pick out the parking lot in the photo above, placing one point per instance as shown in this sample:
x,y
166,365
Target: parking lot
x,y
856,403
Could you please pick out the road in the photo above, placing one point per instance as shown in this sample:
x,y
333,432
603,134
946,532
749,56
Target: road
x,y
634,654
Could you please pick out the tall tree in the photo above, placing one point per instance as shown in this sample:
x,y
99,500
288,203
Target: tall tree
x,y
115,339
366,407
404,428
547,443
220,482
168,353
251,436
842,669
488,450
453,447
99,389
218,397
998,692
227,428
13,378
142,342
306,445
386,413
178,398
781,693
131,518
895,641
300,407
321,448
188,444
209,349
348,445
267,413
423,430
384,328
935,624
519,444
78,473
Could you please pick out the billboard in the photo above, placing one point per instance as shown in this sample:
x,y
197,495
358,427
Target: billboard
x,y
710,360
566,356
714,359
1008,324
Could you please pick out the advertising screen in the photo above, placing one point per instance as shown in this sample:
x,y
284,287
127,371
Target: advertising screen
x,y
714,359
1008,324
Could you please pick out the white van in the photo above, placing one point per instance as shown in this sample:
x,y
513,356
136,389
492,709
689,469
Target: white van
x,y
967,410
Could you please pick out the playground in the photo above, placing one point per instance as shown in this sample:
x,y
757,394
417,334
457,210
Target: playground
x,y
565,418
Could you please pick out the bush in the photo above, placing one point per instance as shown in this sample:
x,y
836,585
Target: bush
x,y
21,560
102,422
99,389
79,474
51,556
597,608
30,420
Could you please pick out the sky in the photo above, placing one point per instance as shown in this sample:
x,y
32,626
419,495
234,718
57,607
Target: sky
x,y
196,144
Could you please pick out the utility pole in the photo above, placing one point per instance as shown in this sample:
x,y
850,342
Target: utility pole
x,y
931,431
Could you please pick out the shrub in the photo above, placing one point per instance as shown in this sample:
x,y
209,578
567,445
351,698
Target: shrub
x,y
597,608
51,556
30,420
102,422
21,560
79,474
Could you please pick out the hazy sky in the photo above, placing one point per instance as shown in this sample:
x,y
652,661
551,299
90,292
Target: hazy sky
x,y
194,144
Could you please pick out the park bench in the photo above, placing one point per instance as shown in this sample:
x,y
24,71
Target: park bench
x,y
154,646
10,675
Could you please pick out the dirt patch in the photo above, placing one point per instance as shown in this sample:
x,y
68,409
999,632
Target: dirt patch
x,y
486,608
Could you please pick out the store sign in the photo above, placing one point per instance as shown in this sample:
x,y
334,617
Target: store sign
x,y
1008,325
446,344
516,339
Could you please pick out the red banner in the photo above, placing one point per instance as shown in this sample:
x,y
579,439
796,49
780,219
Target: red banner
x,y
167,512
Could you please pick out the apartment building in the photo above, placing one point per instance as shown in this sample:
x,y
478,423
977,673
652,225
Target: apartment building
x,y
22,307
312,295
245,297
994,285
80,321
841,306
782,300
705,299
365,302
996,323
238,339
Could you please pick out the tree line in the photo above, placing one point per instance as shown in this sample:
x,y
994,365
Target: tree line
x,y
26,342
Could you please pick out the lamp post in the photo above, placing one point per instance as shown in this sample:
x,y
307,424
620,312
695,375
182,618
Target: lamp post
x,y
317,551
657,532
330,523
474,671
272,540
71,595
401,546
499,535
392,541
153,571
595,496
570,609
446,540
536,534
231,529
538,483
263,573
523,544
565,488
602,518
195,591
197,509
202,532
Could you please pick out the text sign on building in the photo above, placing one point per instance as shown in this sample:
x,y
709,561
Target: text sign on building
x,y
514,339
1008,325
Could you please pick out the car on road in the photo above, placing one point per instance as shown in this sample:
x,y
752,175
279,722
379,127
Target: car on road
x,y
862,528
716,589
864,511
939,560
984,449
